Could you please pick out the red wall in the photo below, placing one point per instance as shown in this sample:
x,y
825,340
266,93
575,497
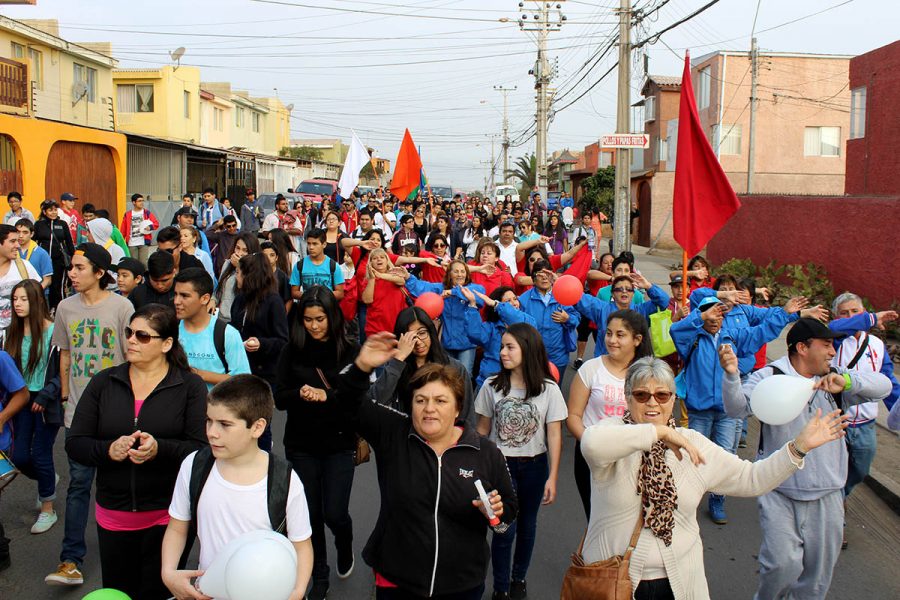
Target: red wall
x,y
873,161
856,239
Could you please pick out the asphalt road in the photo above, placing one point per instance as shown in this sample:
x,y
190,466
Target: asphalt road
x,y
866,570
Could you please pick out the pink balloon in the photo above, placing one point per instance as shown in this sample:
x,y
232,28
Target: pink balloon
x,y
553,370
431,303
568,290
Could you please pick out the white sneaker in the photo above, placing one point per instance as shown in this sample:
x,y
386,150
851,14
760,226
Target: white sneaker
x,y
44,522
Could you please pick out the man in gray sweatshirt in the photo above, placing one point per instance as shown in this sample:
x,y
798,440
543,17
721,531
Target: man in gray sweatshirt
x,y
802,519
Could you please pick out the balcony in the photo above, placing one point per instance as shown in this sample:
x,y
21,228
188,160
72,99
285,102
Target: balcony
x,y
14,86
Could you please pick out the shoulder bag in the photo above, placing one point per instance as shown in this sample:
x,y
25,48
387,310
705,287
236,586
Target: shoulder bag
x,y
362,452
604,580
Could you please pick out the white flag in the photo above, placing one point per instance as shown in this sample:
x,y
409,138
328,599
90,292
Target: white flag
x,y
357,158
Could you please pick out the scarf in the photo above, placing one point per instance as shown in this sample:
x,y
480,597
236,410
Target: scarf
x,y
656,487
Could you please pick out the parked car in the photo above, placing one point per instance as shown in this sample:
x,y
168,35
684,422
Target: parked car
x,y
267,201
502,191
444,191
366,189
314,189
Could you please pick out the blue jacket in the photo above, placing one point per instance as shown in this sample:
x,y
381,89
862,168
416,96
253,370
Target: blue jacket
x,y
488,335
700,351
745,315
598,311
559,338
207,216
864,322
453,334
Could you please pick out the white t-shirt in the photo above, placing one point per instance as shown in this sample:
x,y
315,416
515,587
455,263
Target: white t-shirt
x,y
508,255
7,282
227,510
607,392
518,423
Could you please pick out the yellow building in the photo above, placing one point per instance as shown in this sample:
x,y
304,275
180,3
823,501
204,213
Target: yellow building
x,y
162,103
333,150
56,118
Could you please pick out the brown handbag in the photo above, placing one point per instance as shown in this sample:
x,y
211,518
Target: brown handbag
x,y
362,453
604,580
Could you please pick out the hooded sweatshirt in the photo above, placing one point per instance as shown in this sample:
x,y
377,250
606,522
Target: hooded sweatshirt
x,y
825,470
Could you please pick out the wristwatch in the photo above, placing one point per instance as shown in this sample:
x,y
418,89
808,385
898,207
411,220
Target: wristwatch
x,y
793,446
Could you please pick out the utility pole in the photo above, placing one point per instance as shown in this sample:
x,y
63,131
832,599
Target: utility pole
x,y
546,17
751,146
622,202
505,91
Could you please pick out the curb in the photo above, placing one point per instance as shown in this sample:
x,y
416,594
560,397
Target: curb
x,y
885,488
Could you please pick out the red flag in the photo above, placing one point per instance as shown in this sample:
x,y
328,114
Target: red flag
x,y
407,168
703,199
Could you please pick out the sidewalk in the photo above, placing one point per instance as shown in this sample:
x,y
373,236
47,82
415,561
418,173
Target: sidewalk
x,y
884,477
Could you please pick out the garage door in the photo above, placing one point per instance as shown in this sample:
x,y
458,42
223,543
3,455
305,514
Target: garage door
x,y
86,170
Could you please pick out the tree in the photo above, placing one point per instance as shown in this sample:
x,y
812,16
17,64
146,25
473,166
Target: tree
x,y
525,171
599,191
302,152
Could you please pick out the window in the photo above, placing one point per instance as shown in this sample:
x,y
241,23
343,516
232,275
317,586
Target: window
x,y
187,105
255,118
218,119
89,77
238,117
857,113
671,144
650,109
822,141
729,138
37,67
703,88
18,50
135,98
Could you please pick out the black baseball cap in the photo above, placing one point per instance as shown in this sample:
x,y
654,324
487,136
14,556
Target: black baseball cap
x,y
96,254
808,328
68,196
186,210
131,264
677,280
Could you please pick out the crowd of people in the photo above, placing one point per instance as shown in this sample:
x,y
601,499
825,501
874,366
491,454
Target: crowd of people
x,y
163,352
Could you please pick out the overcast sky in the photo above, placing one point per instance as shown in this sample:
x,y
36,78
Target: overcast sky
x,y
378,66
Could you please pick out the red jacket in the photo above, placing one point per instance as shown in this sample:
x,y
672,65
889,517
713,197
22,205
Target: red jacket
x,y
126,226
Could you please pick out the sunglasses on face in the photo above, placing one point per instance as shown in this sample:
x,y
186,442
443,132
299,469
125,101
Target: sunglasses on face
x,y
643,396
142,336
623,289
439,245
231,226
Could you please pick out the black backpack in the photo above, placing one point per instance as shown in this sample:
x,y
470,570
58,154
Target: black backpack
x,y
219,341
278,485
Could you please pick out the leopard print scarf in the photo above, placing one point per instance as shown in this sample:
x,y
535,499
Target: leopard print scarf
x,y
656,487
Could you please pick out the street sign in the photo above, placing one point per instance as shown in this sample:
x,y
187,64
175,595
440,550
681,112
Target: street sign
x,y
625,140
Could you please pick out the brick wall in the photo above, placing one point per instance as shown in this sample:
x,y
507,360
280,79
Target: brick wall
x,y
854,238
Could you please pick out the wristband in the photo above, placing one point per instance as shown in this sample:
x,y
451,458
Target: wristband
x,y
847,381
793,446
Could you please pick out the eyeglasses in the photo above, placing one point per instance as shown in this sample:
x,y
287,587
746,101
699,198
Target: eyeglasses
x,y
422,334
142,336
623,289
643,396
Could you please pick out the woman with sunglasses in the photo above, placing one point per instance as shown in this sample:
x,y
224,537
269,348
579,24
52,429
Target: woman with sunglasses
x,y
135,423
623,288
598,390
417,345
317,440
28,342
247,243
52,234
674,468
521,409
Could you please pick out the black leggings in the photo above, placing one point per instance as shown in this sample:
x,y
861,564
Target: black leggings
x,y
584,330
654,589
384,593
583,480
130,561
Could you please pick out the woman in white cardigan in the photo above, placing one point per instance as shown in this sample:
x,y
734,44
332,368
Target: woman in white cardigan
x,y
630,462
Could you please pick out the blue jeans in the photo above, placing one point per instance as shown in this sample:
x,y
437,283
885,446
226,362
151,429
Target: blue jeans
x,y
528,478
716,426
78,506
466,357
33,450
861,446
361,310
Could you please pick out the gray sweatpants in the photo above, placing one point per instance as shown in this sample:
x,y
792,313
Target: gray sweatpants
x,y
801,542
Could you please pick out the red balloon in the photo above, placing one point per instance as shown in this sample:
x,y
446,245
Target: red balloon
x,y
554,371
431,303
568,290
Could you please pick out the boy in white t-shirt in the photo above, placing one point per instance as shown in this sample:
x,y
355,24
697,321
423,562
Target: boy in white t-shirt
x,y
233,501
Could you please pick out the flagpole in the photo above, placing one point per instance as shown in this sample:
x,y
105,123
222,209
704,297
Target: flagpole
x,y
684,278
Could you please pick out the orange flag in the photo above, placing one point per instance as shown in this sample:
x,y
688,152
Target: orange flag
x,y
407,168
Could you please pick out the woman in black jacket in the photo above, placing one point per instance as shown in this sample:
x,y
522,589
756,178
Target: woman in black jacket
x,y
318,440
135,423
430,537
53,235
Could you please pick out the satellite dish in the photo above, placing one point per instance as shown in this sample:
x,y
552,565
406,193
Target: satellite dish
x,y
79,91
289,107
176,56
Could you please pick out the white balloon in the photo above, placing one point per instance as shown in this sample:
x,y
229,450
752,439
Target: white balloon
x,y
778,399
217,582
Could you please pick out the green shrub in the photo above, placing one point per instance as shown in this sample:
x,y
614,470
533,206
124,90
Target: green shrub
x,y
738,267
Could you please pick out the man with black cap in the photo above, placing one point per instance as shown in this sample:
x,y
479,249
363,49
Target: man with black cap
x,y
251,212
802,519
69,214
130,274
187,216
89,330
